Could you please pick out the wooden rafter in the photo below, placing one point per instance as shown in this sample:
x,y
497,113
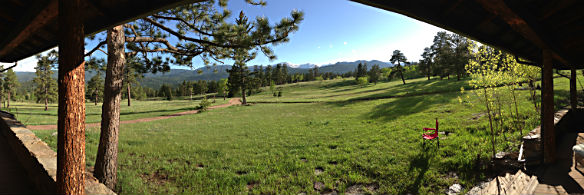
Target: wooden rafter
x,y
520,25
29,24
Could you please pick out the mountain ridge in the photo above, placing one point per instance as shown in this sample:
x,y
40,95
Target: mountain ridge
x,y
177,76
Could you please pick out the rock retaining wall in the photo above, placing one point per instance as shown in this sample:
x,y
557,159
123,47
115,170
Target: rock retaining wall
x,y
38,159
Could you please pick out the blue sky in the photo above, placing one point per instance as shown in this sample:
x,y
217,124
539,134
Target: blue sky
x,y
332,31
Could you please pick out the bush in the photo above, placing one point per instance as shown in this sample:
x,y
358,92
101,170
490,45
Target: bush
x,y
362,81
279,93
204,105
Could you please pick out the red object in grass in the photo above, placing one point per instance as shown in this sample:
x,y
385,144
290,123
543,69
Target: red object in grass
x,y
428,134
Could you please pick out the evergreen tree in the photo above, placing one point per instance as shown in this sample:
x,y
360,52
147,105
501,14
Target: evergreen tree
x,y
284,73
10,85
460,54
399,57
95,87
277,74
200,29
222,89
442,53
425,64
133,70
45,85
374,74
268,75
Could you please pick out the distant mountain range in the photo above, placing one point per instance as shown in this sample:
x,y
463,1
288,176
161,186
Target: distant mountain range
x,y
177,76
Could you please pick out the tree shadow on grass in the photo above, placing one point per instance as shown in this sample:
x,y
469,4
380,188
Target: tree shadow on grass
x,y
400,107
419,165
156,111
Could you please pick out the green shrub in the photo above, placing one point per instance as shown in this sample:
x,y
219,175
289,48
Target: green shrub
x,y
204,105
362,81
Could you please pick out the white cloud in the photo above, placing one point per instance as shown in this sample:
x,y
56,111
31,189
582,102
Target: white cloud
x,y
344,43
25,65
330,45
318,47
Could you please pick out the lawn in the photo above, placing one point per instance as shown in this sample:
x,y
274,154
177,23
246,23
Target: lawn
x,y
268,148
34,114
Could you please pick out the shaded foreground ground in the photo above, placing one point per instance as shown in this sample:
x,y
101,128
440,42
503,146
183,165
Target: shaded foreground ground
x,y
13,178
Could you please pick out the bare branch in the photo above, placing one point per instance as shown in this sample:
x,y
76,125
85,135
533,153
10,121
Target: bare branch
x,y
96,48
4,70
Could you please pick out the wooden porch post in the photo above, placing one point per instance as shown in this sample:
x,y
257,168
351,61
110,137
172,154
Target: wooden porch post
x,y
573,90
547,106
71,122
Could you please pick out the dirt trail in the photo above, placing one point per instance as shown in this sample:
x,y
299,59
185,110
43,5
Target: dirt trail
x,y
232,101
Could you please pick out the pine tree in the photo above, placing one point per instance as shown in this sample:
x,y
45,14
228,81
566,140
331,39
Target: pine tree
x,y
426,63
222,88
133,70
45,85
202,30
10,85
95,87
399,57
374,74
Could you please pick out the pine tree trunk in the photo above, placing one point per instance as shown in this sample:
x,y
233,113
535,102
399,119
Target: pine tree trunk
x,y
402,76
8,100
107,152
244,100
46,99
129,95
95,92
71,114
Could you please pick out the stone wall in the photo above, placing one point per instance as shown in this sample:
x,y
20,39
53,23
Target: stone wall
x,y
38,159
565,121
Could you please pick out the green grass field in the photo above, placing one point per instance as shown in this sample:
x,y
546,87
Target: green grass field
x,y
34,114
287,148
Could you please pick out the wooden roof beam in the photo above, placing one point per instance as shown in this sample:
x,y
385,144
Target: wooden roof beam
x,y
519,24
29,24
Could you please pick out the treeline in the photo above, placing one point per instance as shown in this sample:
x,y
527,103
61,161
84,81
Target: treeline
x,y
448,55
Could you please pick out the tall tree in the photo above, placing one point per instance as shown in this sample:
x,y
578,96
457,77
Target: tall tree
x,y
425,63
202,30
222,88
10,85
442,54
107,152
45,84
284,73
374,74
460,54
133,70
95,87
399,57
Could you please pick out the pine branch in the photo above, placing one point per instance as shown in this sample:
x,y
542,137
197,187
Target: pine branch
x,y
96,48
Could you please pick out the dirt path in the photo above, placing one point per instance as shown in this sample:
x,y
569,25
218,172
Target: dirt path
x,y
232,101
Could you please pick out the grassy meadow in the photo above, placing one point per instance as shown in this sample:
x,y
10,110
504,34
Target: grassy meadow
x,y
34,114
336,137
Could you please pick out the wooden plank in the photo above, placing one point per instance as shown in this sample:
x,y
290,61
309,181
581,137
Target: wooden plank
x,y
29,27
520,25
71,120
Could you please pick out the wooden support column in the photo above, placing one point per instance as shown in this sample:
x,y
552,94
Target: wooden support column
x,y
573,90
547,109
71,122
